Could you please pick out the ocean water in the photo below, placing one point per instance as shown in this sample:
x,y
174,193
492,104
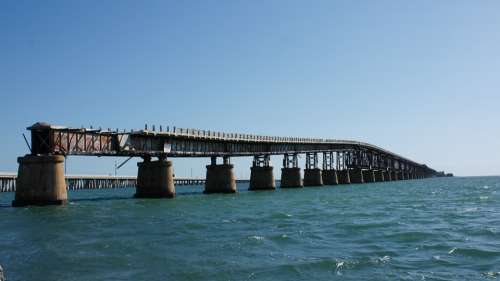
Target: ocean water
x,y
433,229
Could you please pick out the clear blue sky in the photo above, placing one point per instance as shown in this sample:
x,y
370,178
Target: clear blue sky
x,y
420,78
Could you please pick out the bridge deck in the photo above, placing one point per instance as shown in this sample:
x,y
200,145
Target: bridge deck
x,y
179,142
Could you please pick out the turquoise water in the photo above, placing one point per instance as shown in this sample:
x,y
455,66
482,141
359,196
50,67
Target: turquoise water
x,y
434,229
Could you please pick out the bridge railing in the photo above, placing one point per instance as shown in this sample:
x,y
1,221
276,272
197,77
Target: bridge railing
x,y
181,142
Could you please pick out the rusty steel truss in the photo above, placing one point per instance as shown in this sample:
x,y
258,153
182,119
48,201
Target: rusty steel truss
x,y
50,140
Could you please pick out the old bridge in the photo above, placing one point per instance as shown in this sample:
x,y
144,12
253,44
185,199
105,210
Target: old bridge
x,y
41,178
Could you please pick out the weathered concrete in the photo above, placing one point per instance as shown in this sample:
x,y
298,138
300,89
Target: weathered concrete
x,y
220,179
330,177
344,177
40,181
155,179
368,176
262,178
313,177
356,175
379,175
290,177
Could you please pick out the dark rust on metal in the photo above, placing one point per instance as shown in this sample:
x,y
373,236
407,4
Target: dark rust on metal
x,y
47,139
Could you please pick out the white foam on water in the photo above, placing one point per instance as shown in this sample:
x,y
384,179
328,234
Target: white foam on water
x,y
486,187
256,237
452,251
340,266
470,210
492,274
384,259
483,197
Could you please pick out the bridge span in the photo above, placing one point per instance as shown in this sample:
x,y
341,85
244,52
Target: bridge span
x,y
80,182
41,177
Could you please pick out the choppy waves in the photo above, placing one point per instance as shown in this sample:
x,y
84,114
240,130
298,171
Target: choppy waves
x,y
436,229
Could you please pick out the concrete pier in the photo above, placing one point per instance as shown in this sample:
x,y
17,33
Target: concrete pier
x,y
290,177
40,181
262,178
356,175
379,176
330,177
155,179
368,176
313,177
344,177
220,179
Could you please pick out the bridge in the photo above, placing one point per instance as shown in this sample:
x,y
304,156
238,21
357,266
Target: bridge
x,y
41,177
80,182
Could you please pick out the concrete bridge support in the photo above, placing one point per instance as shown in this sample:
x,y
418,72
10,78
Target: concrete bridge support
x,y
262,178
290,177
40,181
356,175
329,173
220,178
368,176
312,174
290,173
379,175
261,174
330,177
313,177
155,179
344,177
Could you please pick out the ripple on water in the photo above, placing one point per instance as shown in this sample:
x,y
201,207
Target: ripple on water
x,y
280,216
281,238
477,253
436,229
410,236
